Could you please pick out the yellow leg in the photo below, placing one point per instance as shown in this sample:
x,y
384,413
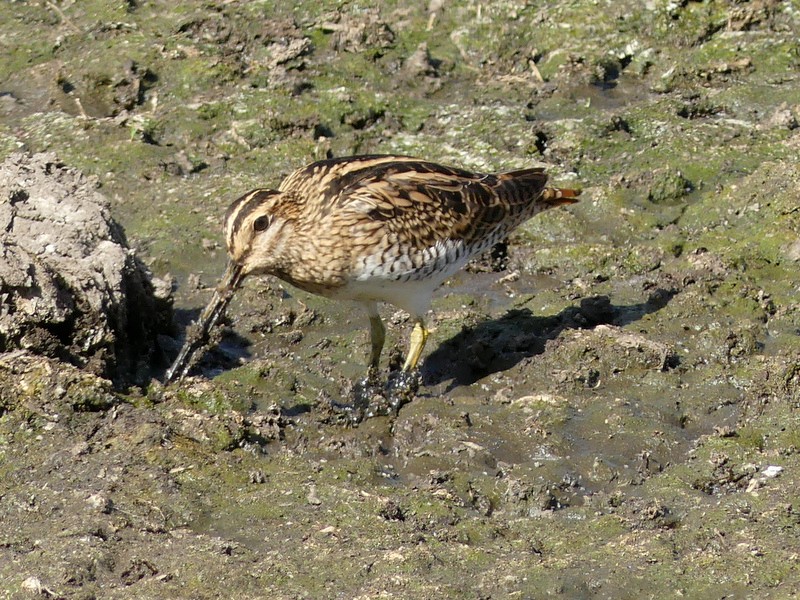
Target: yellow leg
x,y
419,335
377,336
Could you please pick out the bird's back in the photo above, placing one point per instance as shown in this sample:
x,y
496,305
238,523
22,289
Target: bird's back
x,y
404,219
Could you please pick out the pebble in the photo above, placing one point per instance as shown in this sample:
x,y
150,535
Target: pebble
x,y
772,471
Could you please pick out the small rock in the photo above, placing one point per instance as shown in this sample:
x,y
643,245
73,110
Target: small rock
x,y
782,118
312,497
329,530
420,64
257,476
34,585
282,51
163,287
193,282
754,484
391,511
100,503
793,251
367,31
668,187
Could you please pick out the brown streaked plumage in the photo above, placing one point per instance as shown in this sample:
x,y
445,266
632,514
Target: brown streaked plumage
x,y
372,229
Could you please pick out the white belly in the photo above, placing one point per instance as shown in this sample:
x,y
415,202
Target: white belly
x,y
413,296
404,280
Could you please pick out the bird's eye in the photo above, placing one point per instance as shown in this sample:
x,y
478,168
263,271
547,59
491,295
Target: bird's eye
x,y
261,223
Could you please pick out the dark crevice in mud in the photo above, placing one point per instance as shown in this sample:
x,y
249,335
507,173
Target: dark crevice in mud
x,y
499,344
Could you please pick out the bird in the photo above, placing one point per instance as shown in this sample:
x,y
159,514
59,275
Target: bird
x,y
372,229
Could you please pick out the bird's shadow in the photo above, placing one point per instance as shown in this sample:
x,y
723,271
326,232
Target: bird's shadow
x,y
476,351
224,351
499,344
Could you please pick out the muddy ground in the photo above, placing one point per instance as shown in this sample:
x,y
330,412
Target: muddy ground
x,y
614,415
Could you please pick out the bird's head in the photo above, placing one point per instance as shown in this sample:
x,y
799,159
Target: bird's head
x,y
257,228
257,225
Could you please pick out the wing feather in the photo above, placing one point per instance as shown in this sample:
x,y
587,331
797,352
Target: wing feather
x,y
418,202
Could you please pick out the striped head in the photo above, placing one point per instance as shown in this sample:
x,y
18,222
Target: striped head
x,y
258,227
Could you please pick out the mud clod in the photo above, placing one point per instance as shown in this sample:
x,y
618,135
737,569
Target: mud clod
x,y
71,287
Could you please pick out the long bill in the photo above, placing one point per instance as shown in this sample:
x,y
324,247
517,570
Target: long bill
x,y
199,332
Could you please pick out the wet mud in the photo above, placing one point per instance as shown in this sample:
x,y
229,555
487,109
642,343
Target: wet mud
x,y
607,406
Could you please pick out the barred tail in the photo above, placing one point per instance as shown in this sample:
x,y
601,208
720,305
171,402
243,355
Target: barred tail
x,y
552,197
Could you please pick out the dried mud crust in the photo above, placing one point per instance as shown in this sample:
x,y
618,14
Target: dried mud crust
x,y
70,286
